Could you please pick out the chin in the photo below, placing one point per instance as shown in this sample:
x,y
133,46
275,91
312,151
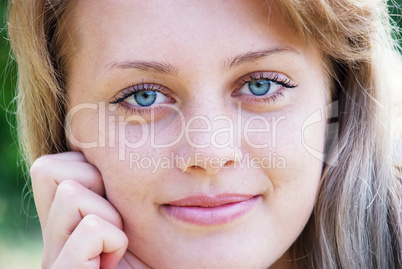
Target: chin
x,y
245,248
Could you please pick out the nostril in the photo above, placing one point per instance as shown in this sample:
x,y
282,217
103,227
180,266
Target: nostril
x,y
196,167
228,163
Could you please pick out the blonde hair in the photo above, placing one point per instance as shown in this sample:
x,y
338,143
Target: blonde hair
x,y
356,221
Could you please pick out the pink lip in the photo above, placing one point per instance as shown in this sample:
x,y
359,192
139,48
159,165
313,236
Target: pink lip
x,y
210,210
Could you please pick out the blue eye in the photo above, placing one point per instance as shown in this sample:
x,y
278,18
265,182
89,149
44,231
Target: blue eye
x,y
260,87
145,98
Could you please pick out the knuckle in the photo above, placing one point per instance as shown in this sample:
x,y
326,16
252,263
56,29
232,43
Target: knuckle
x,y
92,173
124,239
67,189
40,166
92,223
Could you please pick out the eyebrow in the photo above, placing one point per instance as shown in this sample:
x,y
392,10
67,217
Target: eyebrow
x,y
253,56
165,68
158,67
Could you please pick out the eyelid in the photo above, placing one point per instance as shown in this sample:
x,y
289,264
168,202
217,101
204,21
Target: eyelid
x,y
260,101
278,78
127,92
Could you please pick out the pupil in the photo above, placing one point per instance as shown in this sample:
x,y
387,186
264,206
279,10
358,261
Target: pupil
x,y
145,98
259,87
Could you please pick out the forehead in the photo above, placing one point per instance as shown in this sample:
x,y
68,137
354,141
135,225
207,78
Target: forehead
x,y
172,30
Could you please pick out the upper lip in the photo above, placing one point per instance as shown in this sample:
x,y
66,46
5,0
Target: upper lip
x,y
211,200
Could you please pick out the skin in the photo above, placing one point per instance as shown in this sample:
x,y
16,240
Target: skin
x,y
95,206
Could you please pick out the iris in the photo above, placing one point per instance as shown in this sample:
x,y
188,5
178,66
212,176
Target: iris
x,y
145,98
259,87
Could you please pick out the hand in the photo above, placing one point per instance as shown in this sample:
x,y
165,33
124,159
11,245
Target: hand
x,y
80,228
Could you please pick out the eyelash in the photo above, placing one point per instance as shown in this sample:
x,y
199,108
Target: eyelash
x,y
275,78
122,96
287,83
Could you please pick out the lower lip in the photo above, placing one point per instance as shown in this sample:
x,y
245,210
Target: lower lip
x,y
211,215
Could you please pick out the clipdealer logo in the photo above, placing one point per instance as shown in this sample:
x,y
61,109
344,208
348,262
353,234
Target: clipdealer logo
x,y
271,161
111,127
112,133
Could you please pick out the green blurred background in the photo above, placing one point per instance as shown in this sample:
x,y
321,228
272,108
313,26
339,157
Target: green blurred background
x,y
20,238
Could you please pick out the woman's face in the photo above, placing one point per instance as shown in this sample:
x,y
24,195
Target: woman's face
x,y
197,115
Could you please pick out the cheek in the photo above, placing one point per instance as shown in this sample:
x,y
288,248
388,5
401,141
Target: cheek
x,y
290,142
293,162
82,127
131,165
114,146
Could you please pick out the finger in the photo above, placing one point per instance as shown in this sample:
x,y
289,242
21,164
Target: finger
x,y
92,237
131,261
69,156
57,167
48,172
71,204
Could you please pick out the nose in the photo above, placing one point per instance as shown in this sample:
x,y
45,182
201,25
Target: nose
x,y
208,160
210,143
